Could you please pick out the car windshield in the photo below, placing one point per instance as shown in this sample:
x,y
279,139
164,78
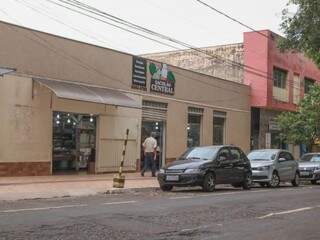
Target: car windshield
x,y
310,158
262,155
200,153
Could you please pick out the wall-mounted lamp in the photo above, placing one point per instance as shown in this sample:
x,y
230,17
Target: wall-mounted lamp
x,y
4,71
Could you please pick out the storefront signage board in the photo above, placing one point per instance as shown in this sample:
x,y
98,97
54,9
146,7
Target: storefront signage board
x,y
139,73
273,125
162,78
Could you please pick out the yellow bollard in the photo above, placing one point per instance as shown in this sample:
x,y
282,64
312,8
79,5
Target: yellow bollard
x,y
119,179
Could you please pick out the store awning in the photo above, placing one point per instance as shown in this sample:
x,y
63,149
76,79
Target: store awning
x,y
87,93
5,70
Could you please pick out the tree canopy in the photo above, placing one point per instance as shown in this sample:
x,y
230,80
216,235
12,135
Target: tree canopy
x,y
303,126
302,28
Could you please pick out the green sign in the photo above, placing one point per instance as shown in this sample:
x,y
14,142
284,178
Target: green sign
x,y
162,78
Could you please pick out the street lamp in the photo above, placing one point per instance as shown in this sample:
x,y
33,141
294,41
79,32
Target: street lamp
x,y
4,71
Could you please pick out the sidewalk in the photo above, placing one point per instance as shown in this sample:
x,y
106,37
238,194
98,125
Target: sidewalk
x,y
18,188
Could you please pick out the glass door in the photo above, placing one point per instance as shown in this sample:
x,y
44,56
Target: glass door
x,y
157,129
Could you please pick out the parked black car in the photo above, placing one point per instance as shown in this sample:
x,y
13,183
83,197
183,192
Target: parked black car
x,y
206,167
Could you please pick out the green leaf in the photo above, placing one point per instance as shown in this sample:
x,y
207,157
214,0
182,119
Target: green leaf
x,y
302,29
152,68
303,126
171,77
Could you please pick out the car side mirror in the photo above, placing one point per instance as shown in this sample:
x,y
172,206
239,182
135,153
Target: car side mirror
x,y
282,159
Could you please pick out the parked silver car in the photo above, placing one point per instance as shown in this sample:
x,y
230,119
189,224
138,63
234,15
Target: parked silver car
x,y
309,167
272,166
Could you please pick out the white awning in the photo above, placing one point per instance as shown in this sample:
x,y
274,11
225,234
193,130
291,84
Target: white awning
x,y
87,93
5,70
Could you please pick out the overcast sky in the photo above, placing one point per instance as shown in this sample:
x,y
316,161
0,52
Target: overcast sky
x,y
185,20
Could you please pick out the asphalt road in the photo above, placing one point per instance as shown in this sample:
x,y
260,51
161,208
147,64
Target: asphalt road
x,y
261,213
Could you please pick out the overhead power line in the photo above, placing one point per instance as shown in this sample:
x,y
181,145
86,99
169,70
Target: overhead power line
x,y
231,18
118,20
111,17
136,26
116,26
93,10
62,53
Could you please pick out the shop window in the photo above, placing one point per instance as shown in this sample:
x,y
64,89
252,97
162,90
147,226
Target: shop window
x,y
194,126
280,78
219,119
280,90
74,141
308,83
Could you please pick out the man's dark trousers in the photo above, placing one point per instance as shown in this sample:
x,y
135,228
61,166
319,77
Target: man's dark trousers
x,y
149,162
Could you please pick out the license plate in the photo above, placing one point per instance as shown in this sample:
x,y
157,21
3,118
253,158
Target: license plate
x,y
304,173
172,178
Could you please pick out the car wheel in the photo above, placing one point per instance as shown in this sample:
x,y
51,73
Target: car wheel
x,y
166,188
314,182
296,181
275,180
247,182
209,182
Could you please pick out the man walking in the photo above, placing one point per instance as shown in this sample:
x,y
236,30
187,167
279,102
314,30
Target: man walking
x,y
149,147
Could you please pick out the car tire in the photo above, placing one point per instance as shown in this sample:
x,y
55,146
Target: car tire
x,y
296,181
209,182
166,188
246,185
275,180
314,182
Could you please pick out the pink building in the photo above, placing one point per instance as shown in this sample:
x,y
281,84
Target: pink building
x,y
278,81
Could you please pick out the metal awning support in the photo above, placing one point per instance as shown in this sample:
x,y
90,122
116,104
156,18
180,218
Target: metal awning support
x,y
87,93
4,71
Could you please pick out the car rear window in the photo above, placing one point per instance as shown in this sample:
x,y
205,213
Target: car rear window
x,y
310,158
262,155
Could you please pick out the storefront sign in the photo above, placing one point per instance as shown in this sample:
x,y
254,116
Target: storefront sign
x,y
139,73
273,125
162,79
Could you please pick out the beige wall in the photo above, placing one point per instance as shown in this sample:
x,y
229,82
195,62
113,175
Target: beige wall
x,y
237,128
26,125
40,54
25,122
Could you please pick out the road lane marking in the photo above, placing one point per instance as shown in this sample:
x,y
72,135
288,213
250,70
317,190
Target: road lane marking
x,y
42,208
116,203
288,212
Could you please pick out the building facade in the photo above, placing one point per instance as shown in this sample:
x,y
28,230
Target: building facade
x,y
219,66
68,105
277,80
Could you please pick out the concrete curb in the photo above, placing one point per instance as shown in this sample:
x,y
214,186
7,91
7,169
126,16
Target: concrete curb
x,y
131,190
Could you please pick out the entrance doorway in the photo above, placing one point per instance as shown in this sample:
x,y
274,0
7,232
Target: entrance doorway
x,y
74,142
157,129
